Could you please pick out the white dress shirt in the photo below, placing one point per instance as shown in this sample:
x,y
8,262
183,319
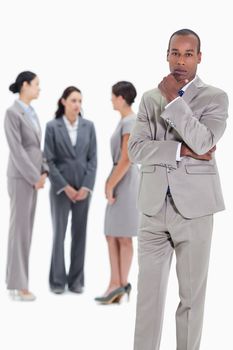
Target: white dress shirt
x,y
72,129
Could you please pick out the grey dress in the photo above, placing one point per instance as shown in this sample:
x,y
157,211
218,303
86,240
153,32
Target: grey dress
x,y
121,218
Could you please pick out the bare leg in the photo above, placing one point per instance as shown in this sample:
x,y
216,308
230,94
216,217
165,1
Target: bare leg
x,y
114,258
126,255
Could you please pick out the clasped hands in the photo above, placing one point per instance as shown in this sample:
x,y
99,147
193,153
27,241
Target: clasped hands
x,y
76,195
41,182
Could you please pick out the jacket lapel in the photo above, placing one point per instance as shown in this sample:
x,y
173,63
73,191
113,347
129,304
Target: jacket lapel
x,y
80,134
39,132
192,90
26,119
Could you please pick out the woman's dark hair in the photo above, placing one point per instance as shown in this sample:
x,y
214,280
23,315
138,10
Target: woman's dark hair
x,y
66,93
126,90
21,78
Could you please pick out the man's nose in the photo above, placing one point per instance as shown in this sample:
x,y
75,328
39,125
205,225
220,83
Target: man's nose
x,y
181,60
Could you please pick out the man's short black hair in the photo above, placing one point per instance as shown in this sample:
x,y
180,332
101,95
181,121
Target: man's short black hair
x,y
186,32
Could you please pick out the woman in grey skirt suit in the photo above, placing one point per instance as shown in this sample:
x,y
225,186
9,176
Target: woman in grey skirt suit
x,y
121,217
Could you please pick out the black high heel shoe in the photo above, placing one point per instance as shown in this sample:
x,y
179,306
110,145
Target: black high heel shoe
x,y
128,288
112,297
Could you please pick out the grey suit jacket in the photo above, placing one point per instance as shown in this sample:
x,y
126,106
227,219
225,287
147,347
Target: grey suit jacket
x,y
25,157
199,120
75,166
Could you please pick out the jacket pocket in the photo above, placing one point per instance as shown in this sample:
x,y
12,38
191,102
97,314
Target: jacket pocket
x,y
207,169
147,168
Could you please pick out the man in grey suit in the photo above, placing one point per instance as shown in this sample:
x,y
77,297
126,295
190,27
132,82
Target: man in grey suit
x,y
70,148
174,138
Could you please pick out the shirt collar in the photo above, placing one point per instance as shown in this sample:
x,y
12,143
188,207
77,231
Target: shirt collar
x,y
68,123
24,105
184,88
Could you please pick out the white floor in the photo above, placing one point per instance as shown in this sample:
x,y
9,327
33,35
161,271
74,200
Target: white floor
x,y
73,321
93,44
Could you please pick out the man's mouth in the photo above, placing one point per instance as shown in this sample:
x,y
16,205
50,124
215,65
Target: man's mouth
x,y
180,72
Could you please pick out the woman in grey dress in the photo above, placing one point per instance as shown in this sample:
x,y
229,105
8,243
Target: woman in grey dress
x,y
121,217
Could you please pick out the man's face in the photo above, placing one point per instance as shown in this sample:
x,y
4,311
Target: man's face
x,y
183,56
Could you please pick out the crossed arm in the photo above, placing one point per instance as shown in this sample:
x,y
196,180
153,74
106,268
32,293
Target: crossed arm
x,y
199,135
187,152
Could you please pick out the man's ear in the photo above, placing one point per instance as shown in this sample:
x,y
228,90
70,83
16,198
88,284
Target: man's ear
x,y
167,54
199,57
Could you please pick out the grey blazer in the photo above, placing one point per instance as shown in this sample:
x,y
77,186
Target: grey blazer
x,y
75,166
25,157
199,120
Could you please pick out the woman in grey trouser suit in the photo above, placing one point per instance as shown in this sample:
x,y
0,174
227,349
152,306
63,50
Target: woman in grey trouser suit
x,y
70,148
26,174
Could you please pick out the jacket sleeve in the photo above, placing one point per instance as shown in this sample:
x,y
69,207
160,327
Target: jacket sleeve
x,y
44,166
142,148
56,178
200,132
89,178
17,152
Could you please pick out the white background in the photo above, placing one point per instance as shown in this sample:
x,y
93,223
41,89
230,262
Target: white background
x,y
93,44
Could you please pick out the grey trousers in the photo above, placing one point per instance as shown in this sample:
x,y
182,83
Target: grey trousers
x,y
159,236
61,206
22,211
